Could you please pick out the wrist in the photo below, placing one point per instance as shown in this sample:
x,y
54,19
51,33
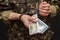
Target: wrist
x,y
14,16
20,17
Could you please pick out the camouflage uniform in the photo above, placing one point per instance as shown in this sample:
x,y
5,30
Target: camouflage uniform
x,y
16,29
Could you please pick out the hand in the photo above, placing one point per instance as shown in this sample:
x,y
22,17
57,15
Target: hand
x,y
44,9
26,19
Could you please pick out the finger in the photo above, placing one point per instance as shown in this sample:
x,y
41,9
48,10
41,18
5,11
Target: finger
x,y
44,2
33,19
47,9
44,14
44,6
44,11
41,4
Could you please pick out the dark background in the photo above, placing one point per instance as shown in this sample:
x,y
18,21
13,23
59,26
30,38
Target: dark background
x,y
3,31
55,24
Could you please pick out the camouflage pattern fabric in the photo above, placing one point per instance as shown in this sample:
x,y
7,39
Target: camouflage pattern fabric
x,y
17,30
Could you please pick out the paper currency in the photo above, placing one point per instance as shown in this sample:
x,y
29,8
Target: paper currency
x,y
41,26
38,27
33,26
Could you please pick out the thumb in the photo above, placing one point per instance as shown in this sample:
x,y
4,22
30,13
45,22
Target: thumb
x,y
33,19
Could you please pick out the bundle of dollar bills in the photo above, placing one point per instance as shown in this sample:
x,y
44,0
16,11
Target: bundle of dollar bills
x,y
38,27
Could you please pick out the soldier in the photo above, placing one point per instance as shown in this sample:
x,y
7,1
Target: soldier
x,y
15,15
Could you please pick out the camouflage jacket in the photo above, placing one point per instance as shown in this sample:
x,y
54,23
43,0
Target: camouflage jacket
x,y
17,30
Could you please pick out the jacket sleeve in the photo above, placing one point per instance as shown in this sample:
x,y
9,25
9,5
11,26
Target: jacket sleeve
x,y
4,16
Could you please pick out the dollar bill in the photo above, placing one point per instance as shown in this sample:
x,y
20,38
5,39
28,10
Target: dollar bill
x,y
33,26
41,26
38,27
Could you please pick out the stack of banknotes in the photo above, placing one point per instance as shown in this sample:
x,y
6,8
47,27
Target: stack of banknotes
x,y
38,27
